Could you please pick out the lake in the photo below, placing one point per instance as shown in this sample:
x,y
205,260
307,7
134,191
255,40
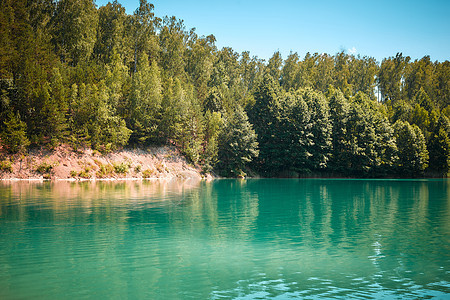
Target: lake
x,y
225,239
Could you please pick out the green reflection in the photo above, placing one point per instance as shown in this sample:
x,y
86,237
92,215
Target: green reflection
x,y
230,238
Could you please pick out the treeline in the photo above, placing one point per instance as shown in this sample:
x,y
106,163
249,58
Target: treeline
x,y
97,77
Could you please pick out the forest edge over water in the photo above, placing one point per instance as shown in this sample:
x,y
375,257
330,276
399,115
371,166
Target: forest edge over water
x,y
98,80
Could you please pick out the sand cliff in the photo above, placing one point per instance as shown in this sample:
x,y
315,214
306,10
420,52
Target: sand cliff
x,y
66,163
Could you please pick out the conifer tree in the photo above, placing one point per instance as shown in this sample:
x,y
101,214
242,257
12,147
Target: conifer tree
x,y
238,145
341,146
75,30
439,147
320,129
264,116
14,135
412,150
145,102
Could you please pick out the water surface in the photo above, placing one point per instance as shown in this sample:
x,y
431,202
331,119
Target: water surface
x,y
226,239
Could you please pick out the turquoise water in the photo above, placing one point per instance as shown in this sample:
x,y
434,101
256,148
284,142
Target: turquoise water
x,y
226,239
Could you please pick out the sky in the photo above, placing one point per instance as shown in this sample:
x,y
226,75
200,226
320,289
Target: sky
x,y
378,29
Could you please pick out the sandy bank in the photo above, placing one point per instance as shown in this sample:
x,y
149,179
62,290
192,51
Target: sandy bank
x,y
64,163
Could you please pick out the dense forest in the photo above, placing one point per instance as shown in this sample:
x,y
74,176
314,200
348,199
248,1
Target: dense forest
x,y
72,73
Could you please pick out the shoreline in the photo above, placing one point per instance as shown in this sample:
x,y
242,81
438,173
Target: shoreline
x,y
151,163
66,164
208,178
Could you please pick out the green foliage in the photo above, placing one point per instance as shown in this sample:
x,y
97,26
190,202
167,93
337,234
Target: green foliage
x,y
138,169
160,167
171,42
274,66
145,102
420,117
55,108
341,144
6,166
110,31
148,173
402,110
319,129
85,173
93,122
14,136
441,84
412,150
294,137
105,170
289,72
199,63
75,30
122,168
361,135
262,115
45,167
364,71
97,77
238,145
439,147
182,120
213,126
420,79
422,98
390,77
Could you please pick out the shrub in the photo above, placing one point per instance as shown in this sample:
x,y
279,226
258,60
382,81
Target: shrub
x,y
97,162
122,168
160,167
148,173
85,173
105,171
45,167
137,169
6,166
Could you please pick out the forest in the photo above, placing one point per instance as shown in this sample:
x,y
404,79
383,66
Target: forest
x,y
86,76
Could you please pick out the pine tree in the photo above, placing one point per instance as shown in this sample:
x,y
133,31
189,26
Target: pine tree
x,y
265,116
75,30
341,148
145,102
439,147
213,128
412,150
320,129
238,145
14,136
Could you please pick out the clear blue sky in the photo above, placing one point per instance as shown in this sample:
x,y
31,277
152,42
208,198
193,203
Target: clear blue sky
x,y
374,28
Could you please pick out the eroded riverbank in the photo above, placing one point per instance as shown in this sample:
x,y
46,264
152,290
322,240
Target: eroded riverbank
x,y
64,163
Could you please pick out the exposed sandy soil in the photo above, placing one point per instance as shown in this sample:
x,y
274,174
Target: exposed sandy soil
x,y
65,163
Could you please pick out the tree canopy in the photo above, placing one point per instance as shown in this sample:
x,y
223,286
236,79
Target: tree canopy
x,y
75,73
